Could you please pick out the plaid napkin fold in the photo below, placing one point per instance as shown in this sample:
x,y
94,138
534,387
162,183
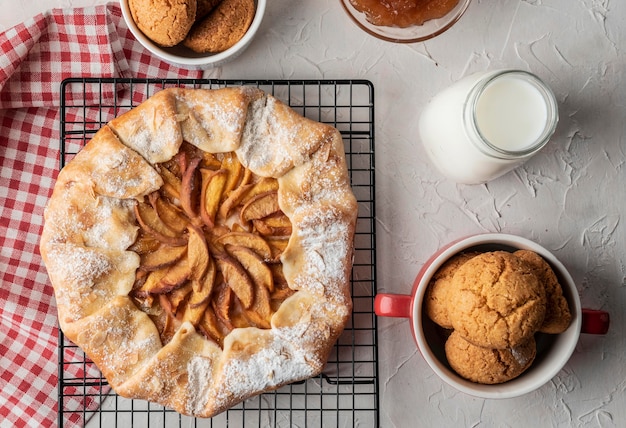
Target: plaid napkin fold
x,y
34,58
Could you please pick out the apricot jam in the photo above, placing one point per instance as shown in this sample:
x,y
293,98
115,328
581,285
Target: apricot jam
x,y
403,13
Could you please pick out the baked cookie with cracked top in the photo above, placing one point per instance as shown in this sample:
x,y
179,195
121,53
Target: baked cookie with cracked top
x,y
558,315
497,299
488,366
436,300
222,28
165,22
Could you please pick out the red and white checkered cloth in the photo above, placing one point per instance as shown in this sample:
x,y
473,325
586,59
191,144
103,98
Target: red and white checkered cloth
x,y
34,58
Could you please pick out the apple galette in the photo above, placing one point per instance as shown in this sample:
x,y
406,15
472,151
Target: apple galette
x,y
200,247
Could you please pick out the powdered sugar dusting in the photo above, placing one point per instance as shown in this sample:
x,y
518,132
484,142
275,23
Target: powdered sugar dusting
x,y
77,268
199,371
255,152
227,118
119,338
113,225
328,176
326,242
282,354
273,141
130,349
151,129
111,174
158,140
78,217
85,279
280,361
79,265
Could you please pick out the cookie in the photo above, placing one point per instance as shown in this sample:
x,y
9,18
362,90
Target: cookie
x,y
496,301
488,366
165,22
436,299
222,28
558,315
204,7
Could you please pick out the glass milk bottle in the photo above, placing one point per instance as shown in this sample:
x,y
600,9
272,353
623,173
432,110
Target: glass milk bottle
x,y
487,124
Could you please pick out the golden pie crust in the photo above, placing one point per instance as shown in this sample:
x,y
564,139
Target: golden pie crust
x,y
90,226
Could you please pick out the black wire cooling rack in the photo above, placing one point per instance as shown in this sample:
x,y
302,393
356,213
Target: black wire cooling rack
x,y
347,393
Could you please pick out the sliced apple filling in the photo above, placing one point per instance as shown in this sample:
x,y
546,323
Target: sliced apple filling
x,y
210,241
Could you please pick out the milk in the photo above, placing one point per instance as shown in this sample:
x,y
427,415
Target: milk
x,y
486,124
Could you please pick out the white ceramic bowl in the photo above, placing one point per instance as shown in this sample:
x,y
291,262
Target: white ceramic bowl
x,y
412,34
553,350
186,58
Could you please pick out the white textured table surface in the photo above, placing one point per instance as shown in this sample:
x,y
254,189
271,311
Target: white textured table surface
x,y
569,198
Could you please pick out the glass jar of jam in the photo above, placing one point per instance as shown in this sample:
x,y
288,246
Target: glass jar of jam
x,y
405,21
403,13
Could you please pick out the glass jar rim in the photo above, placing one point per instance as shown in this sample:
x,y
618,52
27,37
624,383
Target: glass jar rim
x,y
496,151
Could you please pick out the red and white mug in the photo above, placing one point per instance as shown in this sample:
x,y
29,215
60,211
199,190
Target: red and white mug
x,y
553,351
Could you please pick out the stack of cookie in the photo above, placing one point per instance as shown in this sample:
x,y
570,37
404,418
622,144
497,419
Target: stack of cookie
x,y
494,303
204,26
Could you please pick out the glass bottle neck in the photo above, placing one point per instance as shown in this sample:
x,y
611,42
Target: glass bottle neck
x,y
510,114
